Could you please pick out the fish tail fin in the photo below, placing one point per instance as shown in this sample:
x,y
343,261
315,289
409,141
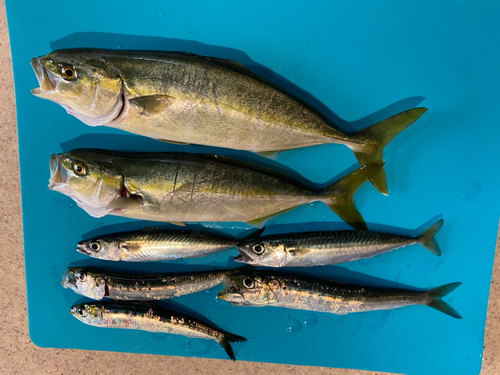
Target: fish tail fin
x,y
427,240
225,343
437,303
340,194
376,137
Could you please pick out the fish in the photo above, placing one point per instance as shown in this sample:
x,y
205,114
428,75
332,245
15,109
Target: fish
x,y
151,244
266,288
151,318
180,188
98,284
184,98
323,248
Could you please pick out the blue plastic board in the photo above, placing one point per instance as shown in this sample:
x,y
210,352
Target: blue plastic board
x,y
357,61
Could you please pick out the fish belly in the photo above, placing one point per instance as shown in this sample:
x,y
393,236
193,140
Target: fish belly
x,y
187,121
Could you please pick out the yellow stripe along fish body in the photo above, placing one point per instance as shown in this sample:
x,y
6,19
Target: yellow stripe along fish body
x,y
151,318
192,188
184,98
263,288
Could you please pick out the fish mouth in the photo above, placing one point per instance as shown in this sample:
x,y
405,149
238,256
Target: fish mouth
x,y
58,174
66,281
234,298
243,258
47,81
82,248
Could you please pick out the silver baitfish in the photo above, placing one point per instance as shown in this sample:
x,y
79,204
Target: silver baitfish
x,y
260,288
97,284
151,318
328,247
151,244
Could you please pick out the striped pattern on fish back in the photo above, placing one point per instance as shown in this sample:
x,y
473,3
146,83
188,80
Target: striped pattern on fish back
x,y
340,246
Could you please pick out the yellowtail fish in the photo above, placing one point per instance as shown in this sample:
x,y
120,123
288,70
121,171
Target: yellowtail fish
x,y
184,98
182,188
328,247
261,288
97,284
151,244
151,318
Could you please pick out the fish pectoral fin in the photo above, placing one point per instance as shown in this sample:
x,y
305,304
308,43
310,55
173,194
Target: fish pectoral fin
x,y
153,104
174,142
179,223
125,203
261,220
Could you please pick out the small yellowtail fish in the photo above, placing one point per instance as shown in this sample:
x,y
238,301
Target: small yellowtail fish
x,y
151,244
260,288
181,188
97,284
184,98
151,318
330,247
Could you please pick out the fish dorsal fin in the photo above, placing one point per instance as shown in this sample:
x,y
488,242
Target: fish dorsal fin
x,y
294,178
253,234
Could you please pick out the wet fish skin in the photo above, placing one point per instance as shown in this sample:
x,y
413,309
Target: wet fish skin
x,y
183,188
150,244
262,288
327,247
184,98
151,318
98,284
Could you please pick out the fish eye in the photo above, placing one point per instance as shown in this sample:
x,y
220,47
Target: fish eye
x,y
248,282
258,248
95,246
68,72
80,276
79,169
80,311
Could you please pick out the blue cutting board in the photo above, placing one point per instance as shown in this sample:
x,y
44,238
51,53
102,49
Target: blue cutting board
x,y
357,61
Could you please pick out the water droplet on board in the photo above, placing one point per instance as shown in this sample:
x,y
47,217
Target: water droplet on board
x,y
187,345
287,316
294,326
406,265
162,15
309,320
119,47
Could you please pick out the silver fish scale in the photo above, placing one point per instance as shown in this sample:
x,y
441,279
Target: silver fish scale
x,y
323,248
164,245
154,320
302,294
158,287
